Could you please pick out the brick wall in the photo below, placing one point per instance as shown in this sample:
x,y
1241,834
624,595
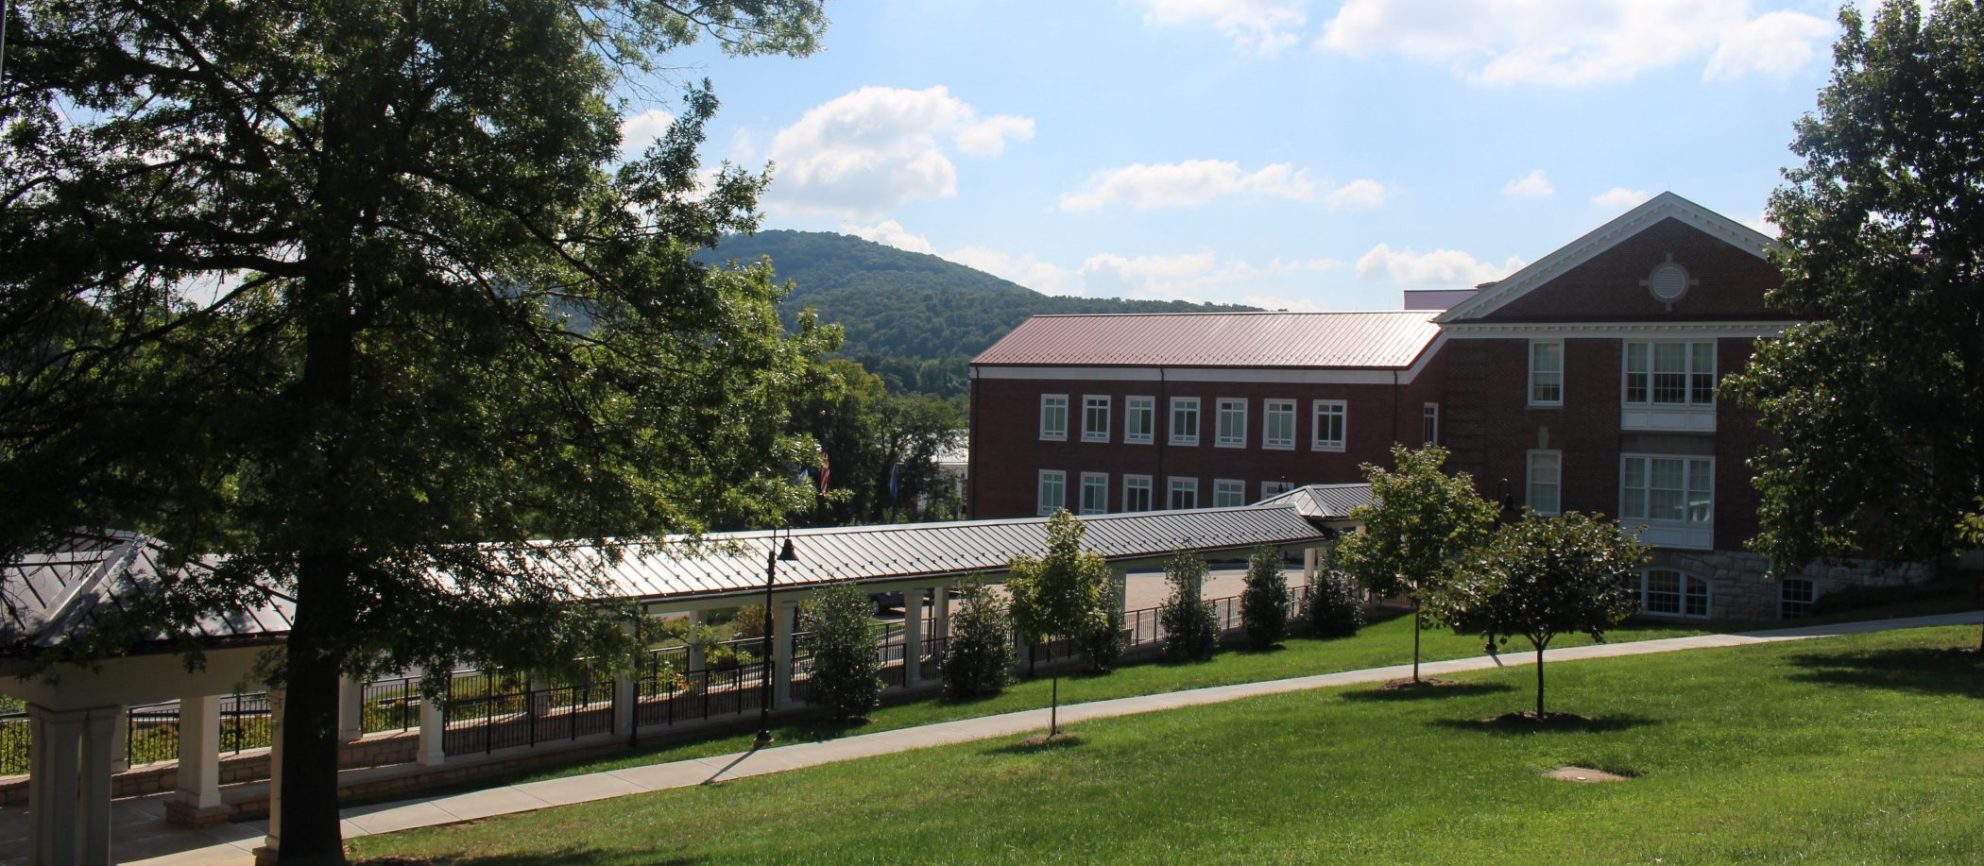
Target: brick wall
x,y
1731,283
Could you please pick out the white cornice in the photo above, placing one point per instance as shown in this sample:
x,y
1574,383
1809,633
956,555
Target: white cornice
x,y
1264,375
1603,330
1603,238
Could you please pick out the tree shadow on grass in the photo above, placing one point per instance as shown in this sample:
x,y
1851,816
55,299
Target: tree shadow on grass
x,y
1917,670
1516,724
1457,690
570,855
1037,744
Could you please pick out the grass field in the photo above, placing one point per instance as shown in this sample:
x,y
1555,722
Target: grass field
x,y
1866,749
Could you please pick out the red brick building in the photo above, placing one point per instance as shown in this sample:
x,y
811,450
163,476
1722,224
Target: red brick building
x,y
1585,381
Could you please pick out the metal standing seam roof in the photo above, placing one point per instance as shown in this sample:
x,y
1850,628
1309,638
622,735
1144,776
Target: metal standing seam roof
x,y
1323,501
61,591
1384,339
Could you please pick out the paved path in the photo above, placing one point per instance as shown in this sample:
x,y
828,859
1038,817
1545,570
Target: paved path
x,y
140,833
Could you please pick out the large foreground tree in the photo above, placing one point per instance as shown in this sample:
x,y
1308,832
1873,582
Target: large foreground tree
x,y
355,294
1878,398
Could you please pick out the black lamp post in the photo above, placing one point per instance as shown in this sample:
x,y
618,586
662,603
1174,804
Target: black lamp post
x,y
786,554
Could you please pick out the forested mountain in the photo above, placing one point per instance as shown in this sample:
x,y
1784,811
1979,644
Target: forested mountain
x,y
915,319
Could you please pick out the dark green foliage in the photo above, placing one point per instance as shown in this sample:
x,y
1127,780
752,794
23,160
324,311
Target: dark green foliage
x,y
1542,577
1191,627
912,318
1264,603
1105,644
865,432
1336,605
1877,396
1060,595
847,669
978,655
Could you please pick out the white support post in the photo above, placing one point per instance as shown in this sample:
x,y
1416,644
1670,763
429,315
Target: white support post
x,y
695,660
623,694
1309,565
432,748
940,624
351,709
272,843
784,623
120,742
199,752
54,754
98,727
912,637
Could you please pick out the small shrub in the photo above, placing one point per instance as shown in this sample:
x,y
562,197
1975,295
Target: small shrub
x,y
1264,603
1191,628
978,655
1104,645
847,670
1336,606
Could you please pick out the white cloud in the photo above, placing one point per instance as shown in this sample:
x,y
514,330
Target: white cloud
x,y
1187,184
1531,185
1446,268
1360,194
1266,27
1575,42
1200,276
891,233
1621,198
874,149
1025,269
640,130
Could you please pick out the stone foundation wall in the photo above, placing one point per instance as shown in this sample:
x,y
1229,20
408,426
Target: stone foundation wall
x,y
248,765
1738,590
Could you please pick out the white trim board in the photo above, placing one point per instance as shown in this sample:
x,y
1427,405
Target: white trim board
x,y
1611,330
1263,375
1603,238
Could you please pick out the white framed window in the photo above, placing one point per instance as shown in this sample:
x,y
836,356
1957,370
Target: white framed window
x,y
1669,374
1184,420
1332,418
1095,493
1796,597
1275,488
1228,493
1546,481
1182,493
1278,424
1136,493
1232,423
1673,496
1139,419
1053,490
1668,592
1546,372
1054,417
1095,418
1429,424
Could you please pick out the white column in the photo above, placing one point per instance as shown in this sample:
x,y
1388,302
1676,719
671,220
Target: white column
x,y
199,751
273,841
783,626
98,728
912,637
1308,564
623,690
940,627
120,742
695,659
351,709
432,750
55,751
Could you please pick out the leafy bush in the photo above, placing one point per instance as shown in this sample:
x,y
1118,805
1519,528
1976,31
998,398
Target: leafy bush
x,y
1191,629
1264,603
978,655
847,670
1336,606
1106,643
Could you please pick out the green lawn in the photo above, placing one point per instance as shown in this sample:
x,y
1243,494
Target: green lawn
x,y
1866,749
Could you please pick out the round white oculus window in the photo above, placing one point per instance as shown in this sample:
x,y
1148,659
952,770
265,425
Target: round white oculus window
x,y
1668,282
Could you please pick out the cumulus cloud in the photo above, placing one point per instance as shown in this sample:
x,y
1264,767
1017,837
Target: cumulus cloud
x,y
874,149
1266,27
1199,276
1024,268
891,233
640,130
1621,198
1187,184
1360,194
1575,42
1440,268
1531,185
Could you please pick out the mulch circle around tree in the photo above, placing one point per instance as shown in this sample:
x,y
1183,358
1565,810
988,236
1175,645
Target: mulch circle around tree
x,y
1421,683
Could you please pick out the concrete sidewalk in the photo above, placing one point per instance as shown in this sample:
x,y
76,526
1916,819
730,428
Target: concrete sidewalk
x,y
140,834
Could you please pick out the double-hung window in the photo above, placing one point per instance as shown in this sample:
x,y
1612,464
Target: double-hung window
x,y
1054,417
1184,493
1545,472
1095,418
1184,421
1232,423
1673,496
1136,493
1053,490
1278,424
1670,375
1228,493
1275,488
1095,492
1331,418
1546,372
1429,424
1139,419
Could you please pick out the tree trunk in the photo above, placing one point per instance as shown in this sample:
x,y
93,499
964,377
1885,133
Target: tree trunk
x,y
1416,627
1539,682
310,833
1054,708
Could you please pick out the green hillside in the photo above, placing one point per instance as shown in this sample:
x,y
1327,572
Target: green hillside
x,y
914,318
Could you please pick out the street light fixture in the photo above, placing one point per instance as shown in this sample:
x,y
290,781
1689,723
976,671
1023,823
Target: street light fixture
x,y
786,554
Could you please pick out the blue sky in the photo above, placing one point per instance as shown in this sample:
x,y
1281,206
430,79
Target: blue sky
x,y
1288,154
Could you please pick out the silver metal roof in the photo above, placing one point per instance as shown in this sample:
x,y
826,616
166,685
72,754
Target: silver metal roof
x,y
1323,501
51,595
